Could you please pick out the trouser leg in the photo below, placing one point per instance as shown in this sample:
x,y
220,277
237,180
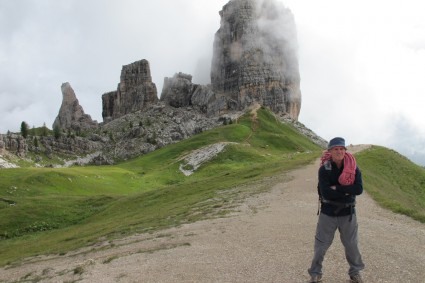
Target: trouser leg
x,y
325,231
349,238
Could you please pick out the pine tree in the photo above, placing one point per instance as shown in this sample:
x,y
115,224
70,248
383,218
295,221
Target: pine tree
x,y
35,142
57,131
24,129
44,130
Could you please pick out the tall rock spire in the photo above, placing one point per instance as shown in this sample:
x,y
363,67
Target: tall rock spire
x,y
255,56
71,114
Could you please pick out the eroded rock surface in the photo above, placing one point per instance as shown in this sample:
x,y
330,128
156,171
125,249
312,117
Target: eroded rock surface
x,y
135,92
71,114
254,57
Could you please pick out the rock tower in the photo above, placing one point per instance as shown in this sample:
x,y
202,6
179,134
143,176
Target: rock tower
x,y
255,57
136,91
71,114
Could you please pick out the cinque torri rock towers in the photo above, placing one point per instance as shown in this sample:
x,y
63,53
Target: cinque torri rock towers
x,y
254,61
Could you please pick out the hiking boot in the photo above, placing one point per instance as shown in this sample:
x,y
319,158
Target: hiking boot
x,y
356,278
315,279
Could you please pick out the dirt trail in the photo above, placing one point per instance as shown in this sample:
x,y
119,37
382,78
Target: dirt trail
x,y
269,240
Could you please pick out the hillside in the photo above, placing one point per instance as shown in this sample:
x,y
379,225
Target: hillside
x,y
394,181
267,238
54,210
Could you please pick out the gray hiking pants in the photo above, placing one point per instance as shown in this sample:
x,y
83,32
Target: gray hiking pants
x,y
325,233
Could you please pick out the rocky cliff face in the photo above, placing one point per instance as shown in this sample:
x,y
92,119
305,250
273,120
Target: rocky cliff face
x,y
136,91
13,143
141,132
254,57
254,61
179,91
71,114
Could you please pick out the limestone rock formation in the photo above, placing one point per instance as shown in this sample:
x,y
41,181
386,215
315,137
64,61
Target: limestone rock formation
x,y
13,143
71,114
136,91
2,144
159,125
207,101
178,90
254,57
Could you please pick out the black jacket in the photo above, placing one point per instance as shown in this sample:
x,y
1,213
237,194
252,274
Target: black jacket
x,y
343,194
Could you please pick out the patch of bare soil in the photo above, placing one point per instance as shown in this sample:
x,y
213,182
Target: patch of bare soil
x,y
270,239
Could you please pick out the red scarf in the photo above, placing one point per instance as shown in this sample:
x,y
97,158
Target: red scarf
x,y
348,174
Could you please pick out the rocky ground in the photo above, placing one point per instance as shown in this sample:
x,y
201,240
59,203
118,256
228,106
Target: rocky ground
x,y
270,239
6,164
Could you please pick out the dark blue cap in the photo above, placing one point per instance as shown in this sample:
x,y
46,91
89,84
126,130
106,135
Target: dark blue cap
x,y
336,142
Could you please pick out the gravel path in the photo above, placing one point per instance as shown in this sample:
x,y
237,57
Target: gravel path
x,y
269,240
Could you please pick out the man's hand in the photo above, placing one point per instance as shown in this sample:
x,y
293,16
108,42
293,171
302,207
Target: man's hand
x,y
334,188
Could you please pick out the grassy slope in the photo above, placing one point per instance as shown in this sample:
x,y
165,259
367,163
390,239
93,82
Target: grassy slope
x,y
394,181
57,210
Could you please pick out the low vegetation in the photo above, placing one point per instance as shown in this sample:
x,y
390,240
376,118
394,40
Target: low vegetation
x,y
394,181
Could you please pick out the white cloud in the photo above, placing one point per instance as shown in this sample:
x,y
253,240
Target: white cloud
x,y
407,138
361,67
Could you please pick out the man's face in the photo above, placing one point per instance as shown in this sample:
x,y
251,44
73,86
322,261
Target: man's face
x,y
337,153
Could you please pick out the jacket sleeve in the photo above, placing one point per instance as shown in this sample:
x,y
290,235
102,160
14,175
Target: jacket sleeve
x,y
325,183
354,189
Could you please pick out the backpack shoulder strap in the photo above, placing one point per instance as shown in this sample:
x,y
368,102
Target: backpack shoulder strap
x,y
328,167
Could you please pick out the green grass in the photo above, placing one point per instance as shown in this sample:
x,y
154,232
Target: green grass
x,y
394,181
53,211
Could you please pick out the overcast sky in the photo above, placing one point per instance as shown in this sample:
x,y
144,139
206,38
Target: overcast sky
x,y
362,63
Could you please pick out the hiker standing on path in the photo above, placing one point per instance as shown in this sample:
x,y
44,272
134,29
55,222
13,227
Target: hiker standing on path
x,y
340,180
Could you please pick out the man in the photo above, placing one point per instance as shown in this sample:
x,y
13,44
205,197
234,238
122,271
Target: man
x,y
340,180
